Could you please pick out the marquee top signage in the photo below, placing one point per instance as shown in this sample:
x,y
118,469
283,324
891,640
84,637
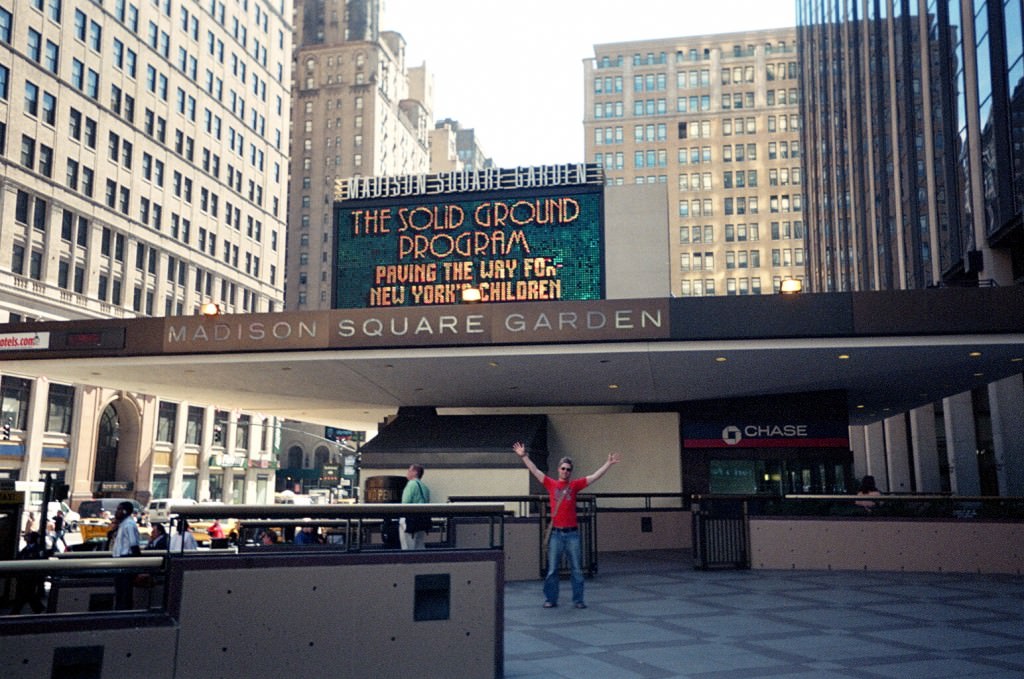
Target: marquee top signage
x,y
491,179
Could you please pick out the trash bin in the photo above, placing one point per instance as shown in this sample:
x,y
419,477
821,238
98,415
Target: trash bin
x,y
721,534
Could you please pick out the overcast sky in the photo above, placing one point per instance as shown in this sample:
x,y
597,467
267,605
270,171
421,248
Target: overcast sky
x,y
513,70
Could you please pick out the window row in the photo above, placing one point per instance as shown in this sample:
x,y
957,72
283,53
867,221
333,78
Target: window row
x,y
34,211
697,288
167,426
16,396
650,158
650,82
741,232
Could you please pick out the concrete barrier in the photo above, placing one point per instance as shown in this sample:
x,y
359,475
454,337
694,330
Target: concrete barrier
x,y
921,545
434,613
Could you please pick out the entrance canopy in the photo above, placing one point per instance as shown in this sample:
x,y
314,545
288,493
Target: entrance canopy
x,y
889,351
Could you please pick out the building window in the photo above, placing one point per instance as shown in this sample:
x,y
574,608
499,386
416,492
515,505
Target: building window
x,y
242,427
60,408
166,421
14,398
194,426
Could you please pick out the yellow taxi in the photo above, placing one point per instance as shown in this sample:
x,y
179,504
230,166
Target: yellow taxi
x,y
200,530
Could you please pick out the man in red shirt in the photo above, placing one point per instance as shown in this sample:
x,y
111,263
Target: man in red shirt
x,y
565,535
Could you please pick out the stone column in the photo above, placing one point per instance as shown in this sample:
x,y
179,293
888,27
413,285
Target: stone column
x,y
926,450
898,455
859,448
876,454
178,450
35,430
961,444
1006,405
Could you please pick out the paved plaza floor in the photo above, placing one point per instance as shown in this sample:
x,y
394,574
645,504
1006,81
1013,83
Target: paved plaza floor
x,y
650,615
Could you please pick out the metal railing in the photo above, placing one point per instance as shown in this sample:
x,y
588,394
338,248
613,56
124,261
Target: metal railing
x,y
540,506
355,524
87,578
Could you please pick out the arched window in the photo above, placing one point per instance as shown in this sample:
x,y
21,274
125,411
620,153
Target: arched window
x,y
106,446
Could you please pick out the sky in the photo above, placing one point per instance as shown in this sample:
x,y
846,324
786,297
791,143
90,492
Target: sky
x,y
513,69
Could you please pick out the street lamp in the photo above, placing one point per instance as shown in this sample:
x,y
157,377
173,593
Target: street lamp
x,y
473,293
209,309
791,286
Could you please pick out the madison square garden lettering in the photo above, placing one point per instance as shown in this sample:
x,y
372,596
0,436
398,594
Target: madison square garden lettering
x,y
540,244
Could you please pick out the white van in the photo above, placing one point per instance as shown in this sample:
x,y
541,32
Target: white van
x,y
34,492
159,508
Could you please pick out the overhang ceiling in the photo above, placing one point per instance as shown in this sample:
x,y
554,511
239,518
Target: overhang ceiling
x,y
883,374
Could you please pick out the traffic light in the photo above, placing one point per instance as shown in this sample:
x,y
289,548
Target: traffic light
x,y
7,430
216,433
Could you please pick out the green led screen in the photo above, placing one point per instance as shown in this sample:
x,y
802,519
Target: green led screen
x,y
543,244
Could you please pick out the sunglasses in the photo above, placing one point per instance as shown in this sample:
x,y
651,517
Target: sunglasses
x,y
566,469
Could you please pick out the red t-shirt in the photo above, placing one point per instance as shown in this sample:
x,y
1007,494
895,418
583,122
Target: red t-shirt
x,y
566,516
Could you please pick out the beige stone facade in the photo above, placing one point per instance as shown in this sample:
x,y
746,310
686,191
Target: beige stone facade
x,y
144,172
715,120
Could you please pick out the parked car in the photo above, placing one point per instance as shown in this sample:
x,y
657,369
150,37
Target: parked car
x,y
104,507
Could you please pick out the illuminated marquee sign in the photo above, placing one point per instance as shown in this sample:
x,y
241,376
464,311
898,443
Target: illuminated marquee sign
x,y
514,235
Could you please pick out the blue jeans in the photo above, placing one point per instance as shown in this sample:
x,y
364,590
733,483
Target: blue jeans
x,y
569,543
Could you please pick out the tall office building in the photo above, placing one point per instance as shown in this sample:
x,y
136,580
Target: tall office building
x,y
357,111
913,145
713,118
143,150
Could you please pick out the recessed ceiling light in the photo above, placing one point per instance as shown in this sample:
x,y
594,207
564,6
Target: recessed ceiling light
x,y
492,364
860,406
843,357
721,359
974,354
979,374
1016,359
613,386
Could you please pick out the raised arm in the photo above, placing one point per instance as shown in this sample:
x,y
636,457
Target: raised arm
x,y
613,458
519,449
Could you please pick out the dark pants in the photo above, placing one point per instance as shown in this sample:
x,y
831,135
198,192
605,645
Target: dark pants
x,y
29,591
124,591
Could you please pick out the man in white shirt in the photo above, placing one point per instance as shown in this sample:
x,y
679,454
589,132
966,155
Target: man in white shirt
x,y
126,543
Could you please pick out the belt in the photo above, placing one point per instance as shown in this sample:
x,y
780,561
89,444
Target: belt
x,y
566,530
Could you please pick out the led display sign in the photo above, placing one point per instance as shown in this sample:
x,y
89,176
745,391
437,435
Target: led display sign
x,y
533,243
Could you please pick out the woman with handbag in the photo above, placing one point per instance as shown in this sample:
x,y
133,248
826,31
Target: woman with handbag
x,y
563,534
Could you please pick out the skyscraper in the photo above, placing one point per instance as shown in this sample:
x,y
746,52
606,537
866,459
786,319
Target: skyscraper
x,y
144,149
358,110
913,145
714,119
